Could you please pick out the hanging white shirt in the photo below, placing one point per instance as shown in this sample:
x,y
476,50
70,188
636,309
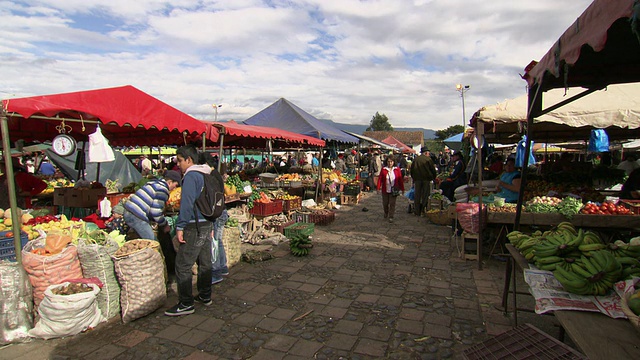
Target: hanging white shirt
x,y
99,149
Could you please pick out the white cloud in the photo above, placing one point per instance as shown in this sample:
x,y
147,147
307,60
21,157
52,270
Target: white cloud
x,y
338,59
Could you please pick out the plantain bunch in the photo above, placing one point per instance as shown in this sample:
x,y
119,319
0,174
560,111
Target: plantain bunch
x,y
590,275
300,244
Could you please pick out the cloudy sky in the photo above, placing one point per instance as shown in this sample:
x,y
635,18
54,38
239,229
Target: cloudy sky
x,y
342,60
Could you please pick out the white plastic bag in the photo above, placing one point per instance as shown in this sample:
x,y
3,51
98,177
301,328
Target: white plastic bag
x,y
64,315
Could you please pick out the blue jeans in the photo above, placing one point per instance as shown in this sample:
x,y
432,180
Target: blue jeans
x,y
197,247
142,227
219,255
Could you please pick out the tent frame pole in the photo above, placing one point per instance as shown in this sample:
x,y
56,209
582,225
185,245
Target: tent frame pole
x,y
11,184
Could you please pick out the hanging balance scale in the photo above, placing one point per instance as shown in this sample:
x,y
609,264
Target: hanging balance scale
x,y
63,144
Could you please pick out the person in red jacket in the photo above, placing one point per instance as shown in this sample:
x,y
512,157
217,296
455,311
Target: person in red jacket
x,y
27,186
390,179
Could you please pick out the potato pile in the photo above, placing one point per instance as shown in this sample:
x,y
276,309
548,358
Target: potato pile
x,y
72,288
141,279
134,246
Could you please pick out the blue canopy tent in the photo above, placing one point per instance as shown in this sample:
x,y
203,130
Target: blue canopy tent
x,y
283,114
454,142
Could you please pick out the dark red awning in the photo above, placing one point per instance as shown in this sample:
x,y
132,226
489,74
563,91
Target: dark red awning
x,y
242,135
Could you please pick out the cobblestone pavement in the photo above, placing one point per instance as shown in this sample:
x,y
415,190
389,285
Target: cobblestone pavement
x,y
368,290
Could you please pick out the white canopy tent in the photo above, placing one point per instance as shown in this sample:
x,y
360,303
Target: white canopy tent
x,y
615,109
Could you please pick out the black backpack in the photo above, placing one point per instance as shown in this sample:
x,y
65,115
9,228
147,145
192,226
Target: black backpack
x,y
211,200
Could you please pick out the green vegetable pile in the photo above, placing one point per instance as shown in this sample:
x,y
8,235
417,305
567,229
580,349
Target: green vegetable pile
x,y
542,208
569,206
235,181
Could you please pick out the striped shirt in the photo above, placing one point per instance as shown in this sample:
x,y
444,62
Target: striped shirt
x,y
148,202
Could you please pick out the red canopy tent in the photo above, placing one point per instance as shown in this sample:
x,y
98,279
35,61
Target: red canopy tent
x,y
390,140
126,115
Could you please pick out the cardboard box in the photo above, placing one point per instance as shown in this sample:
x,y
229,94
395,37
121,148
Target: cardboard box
x,y
83,198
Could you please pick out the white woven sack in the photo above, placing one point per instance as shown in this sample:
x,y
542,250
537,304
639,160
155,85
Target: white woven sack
x,y
64,315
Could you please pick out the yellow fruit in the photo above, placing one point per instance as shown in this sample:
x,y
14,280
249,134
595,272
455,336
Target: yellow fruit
x,y
8,222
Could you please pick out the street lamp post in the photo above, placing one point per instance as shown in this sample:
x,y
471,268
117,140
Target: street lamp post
x,y
463,89
215,106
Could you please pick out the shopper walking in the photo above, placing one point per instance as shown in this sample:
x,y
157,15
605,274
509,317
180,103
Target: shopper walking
x,y
391,185
423,171
194,234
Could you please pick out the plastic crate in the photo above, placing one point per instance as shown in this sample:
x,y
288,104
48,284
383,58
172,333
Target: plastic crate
x,y
299,228
7,248
266,209
352,189
292,204
523,342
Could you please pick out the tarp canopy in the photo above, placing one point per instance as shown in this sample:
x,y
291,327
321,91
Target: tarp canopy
x,y
615,109
372,141
251,136
398,144
600,48
121,169
283,114
454,142
126,116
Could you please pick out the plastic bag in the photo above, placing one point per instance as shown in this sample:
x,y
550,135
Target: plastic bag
x,y
55,242
411,194
16,302
599,141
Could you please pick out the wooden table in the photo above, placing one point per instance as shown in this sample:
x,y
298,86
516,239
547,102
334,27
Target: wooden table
x,y
599,336
595,334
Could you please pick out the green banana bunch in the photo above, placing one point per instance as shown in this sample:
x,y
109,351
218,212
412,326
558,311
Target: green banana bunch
x,y
300,245
630,272
621,249
591,275
566,226
591,238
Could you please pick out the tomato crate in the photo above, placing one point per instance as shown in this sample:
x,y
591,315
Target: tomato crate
x,y
266,209
7,248
299,228
292,204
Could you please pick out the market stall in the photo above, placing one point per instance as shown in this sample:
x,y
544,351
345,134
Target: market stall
x,y
601,49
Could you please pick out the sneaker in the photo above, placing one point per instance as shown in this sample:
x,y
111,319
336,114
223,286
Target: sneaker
x,y
205,302
390,220
215,280
225,271
180,310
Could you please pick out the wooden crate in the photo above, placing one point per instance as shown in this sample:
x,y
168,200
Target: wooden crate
x,y
470,245
349,199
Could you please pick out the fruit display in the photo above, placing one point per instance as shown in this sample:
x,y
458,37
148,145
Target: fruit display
x,y
289,177
233,184
579,259
300,244
231,223
173,203
329,176
506,208
55,224
55,183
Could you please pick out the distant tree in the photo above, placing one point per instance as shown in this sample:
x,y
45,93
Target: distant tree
x,y
449,132
379,122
